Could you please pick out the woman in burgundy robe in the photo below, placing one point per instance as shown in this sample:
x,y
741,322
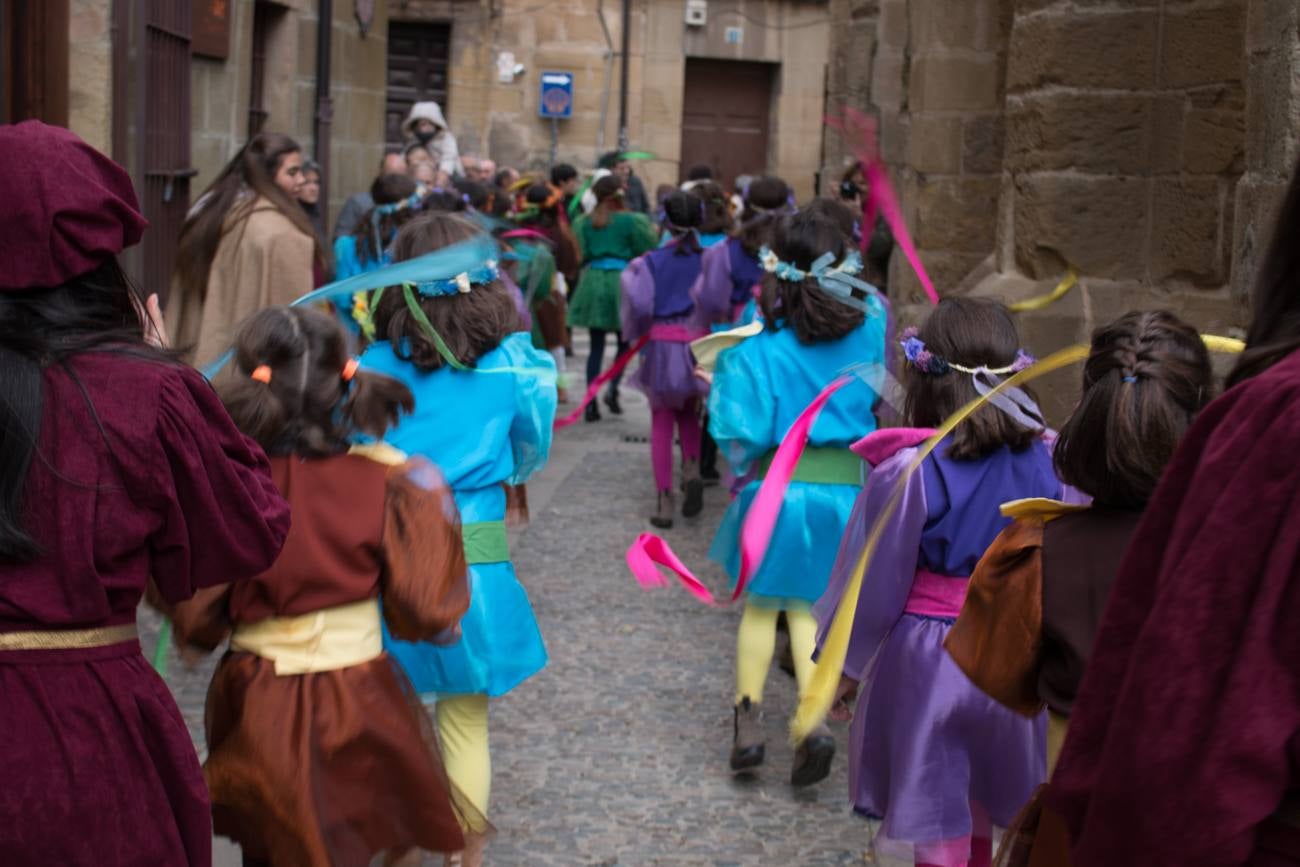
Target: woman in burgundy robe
x,y
1184,743
117,465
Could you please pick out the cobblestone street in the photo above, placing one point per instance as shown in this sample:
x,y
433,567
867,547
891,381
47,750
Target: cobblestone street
x,y
617,752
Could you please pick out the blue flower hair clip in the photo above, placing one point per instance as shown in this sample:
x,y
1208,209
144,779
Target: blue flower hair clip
x,y
839,281
462,283
920,357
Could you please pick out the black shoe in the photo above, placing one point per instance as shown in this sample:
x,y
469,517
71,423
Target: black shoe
x,y
611,401
592,412
747,748
812,759
710,476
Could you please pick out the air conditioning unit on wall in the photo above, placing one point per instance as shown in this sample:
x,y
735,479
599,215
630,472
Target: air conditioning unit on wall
x,y
697,13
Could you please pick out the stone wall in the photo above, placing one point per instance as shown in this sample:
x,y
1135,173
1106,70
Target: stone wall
x,y
90,65
1144,142
499,119
221,92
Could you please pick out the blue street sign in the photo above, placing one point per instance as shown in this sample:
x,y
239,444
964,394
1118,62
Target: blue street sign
x,y
557,95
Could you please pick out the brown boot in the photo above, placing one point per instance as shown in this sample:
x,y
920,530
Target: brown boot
x,y
748,748
663,516
693,485
812,758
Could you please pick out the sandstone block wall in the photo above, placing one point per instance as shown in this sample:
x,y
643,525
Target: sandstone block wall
x,y
499,119
220,93
1145,142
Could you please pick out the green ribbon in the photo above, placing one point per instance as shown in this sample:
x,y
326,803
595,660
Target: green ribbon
x,y
486,542
821,466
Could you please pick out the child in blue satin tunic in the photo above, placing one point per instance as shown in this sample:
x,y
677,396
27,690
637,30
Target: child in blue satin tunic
x,y
483,430
759,388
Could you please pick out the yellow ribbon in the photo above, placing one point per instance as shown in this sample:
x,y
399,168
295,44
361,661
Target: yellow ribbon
x,y
1040,301
815,703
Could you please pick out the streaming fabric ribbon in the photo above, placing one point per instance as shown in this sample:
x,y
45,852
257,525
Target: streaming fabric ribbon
x,y
859,131
650,551
444,264
816,701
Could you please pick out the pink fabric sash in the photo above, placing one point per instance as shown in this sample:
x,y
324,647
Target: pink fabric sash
x,y
675,333
592,390
650,551
881,197
935,595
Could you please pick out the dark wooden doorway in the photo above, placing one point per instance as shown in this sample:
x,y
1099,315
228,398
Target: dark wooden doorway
x,y
418,57
164,119
34,61
726,113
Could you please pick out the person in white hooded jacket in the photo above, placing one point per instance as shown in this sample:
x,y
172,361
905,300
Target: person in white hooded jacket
x,y
426,125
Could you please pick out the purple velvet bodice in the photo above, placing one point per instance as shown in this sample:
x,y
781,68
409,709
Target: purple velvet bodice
x,y
963,500
673,277
745,272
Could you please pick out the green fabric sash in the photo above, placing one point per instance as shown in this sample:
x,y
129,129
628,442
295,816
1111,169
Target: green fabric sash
x,y
486,542
821,466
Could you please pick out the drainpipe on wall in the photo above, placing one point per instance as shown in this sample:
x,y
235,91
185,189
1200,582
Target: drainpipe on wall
x,y
623,76
609,74
324,105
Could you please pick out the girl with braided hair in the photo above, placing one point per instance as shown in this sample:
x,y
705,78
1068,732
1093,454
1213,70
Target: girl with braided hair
x,y
1035,600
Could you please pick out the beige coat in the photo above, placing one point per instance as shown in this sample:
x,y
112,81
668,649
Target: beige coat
x,y
262,260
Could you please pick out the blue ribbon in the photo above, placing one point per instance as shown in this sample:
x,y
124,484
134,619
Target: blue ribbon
x,y
839,281
442,264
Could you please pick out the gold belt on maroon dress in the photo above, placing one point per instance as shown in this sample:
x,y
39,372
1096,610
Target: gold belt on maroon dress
x,y
67,639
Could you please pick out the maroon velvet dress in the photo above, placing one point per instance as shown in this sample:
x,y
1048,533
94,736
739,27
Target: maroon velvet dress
x,y
96,765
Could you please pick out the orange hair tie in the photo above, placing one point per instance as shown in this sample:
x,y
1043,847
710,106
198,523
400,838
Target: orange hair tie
x,y
350,369
262,373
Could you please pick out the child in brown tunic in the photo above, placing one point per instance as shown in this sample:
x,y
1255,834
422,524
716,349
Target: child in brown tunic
x,y
318,752
1036,599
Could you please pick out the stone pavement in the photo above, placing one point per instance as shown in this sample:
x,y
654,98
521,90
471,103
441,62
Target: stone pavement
x,y
616,753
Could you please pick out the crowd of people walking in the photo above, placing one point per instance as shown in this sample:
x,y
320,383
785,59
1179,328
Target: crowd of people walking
x,y
1082,639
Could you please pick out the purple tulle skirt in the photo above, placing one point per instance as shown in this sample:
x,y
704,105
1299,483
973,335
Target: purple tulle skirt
x,y
926,743
667,374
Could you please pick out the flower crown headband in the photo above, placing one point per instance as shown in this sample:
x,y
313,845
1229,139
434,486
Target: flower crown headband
x,y
839,281
412,201
461,283
915,351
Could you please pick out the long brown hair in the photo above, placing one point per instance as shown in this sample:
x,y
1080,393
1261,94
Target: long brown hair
x,y
470,323
1275,326
972,332
252,170
815,315
609,198
1148,374
549,219
716,216
305,403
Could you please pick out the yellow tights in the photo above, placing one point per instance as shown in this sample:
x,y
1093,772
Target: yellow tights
x,y
463,735
756,645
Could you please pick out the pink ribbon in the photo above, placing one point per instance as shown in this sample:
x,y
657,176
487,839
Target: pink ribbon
x,y
650,551
592,390
675,333
881,197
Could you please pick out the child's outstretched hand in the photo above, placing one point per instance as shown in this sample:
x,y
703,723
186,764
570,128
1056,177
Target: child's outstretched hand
x,y
155,327
845,694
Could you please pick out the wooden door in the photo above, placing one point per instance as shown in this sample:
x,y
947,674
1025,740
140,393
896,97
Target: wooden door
x,y
165,143
725,117
418,57
34,61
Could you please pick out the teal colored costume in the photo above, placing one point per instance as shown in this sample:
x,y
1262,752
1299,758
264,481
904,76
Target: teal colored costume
x,y
597,300
481,430
759,389
534,275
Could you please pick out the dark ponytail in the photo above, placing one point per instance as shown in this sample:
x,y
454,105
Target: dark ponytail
x,y
682,217
813,313
1147,376
609,198
290,389
766,200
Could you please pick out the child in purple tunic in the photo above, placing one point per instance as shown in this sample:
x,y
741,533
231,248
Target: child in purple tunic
x,y
930,754
730,272
657,301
